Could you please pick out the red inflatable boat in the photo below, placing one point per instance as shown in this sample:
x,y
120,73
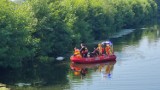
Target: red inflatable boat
x,y
97,59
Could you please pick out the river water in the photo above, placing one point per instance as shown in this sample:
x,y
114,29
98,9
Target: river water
x,y
136,68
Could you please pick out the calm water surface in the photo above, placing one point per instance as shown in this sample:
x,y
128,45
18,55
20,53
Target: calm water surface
x,y
136,68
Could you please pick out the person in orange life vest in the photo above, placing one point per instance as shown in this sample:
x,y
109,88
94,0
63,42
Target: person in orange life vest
x,y
108,49
77,52
100,49
83,50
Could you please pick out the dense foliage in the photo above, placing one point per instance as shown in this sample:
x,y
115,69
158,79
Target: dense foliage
x,y
158,4
44,29
16,29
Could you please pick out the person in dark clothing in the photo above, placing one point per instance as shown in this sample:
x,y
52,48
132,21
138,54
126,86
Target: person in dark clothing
x,y
83,50
95,52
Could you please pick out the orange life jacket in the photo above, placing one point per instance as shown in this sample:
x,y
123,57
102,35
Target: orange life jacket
x,y
77,53
108,50
100,49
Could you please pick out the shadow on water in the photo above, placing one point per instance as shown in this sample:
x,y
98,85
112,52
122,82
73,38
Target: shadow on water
x,y
35,76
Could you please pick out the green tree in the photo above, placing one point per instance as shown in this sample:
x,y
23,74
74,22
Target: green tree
x,y
55,39
16,28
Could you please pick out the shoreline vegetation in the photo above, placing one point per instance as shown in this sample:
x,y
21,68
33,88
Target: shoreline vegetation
x,y
37,31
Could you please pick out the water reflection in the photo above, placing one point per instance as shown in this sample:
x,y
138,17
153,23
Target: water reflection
x,y
82,70
3,87
49,74
134,38
134,52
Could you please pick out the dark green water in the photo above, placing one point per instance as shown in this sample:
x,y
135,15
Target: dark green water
x,y
136,68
